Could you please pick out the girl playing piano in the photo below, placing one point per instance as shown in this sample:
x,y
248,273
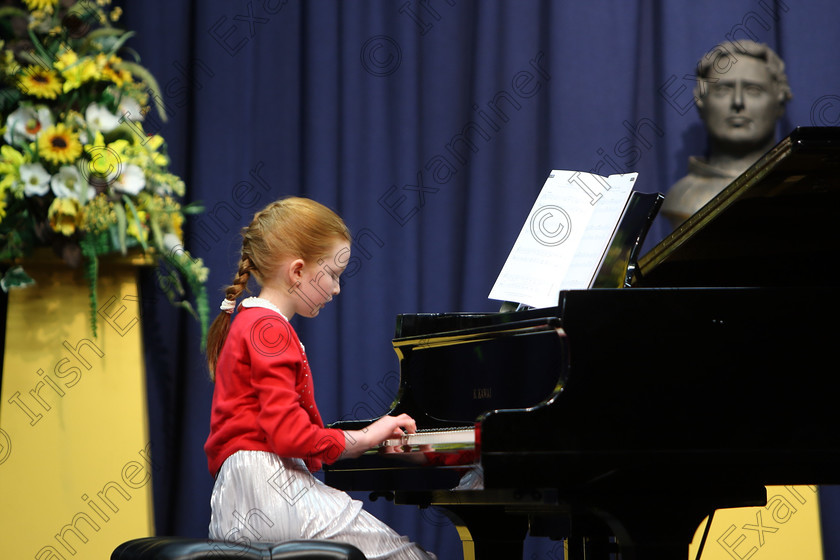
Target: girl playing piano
x,y
266,435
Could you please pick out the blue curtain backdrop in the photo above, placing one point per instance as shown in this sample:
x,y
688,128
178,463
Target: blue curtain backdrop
x,y
430,126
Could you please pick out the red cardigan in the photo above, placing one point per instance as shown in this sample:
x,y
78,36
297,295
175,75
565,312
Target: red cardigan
x,y
263,397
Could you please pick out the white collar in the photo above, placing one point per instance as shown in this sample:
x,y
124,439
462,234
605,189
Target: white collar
x,y
261,302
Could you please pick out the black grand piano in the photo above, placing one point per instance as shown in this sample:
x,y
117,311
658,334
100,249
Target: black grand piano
x,y
623,416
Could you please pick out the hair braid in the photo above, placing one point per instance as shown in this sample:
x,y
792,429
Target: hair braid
x,y
221,324
240,281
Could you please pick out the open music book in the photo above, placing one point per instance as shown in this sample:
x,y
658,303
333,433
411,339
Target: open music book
x,y
564,241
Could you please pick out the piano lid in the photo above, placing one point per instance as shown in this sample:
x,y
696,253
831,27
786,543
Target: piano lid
x,y
775,225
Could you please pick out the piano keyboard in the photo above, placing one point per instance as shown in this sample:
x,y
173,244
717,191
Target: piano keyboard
x,y
457,437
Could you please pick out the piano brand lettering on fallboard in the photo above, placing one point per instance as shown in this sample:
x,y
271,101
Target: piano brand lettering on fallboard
x,y
482,393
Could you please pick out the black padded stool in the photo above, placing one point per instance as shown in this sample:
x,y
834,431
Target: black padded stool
x,y
182,548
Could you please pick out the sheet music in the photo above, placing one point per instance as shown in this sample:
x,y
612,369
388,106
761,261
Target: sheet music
x,y
562,243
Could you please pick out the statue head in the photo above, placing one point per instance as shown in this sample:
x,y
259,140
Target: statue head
x,y
741,93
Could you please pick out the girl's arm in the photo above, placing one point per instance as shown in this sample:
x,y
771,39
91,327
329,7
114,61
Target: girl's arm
x,y
387,427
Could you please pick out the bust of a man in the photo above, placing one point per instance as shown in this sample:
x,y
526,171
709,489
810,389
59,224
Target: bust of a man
x,y
741,93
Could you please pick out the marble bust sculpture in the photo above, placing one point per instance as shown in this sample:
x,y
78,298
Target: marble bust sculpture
x,y
741,92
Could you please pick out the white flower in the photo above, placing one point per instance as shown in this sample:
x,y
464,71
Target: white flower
x,y
131,181
75,119
68,183
172,243
100,118
35,179
129,108
24,124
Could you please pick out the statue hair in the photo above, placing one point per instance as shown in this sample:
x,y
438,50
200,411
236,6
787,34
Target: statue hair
x,y
760,51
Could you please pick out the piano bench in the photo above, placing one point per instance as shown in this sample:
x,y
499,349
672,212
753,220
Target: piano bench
x,y
183,548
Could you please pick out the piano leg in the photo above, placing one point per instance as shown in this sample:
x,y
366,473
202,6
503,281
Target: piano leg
x,y
588,548
576,547
488,533
584,536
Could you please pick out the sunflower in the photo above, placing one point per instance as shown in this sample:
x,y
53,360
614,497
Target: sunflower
x,y
58,144
40,82
77,71
47,5
112,71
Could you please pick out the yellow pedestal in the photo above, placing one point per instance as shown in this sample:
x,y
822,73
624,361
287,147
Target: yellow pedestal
x,y
787,527
75,462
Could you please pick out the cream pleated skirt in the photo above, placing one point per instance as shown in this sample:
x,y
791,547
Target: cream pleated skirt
x,y
260,497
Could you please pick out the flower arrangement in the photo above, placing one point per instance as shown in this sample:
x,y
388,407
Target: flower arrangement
x,y
77,171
